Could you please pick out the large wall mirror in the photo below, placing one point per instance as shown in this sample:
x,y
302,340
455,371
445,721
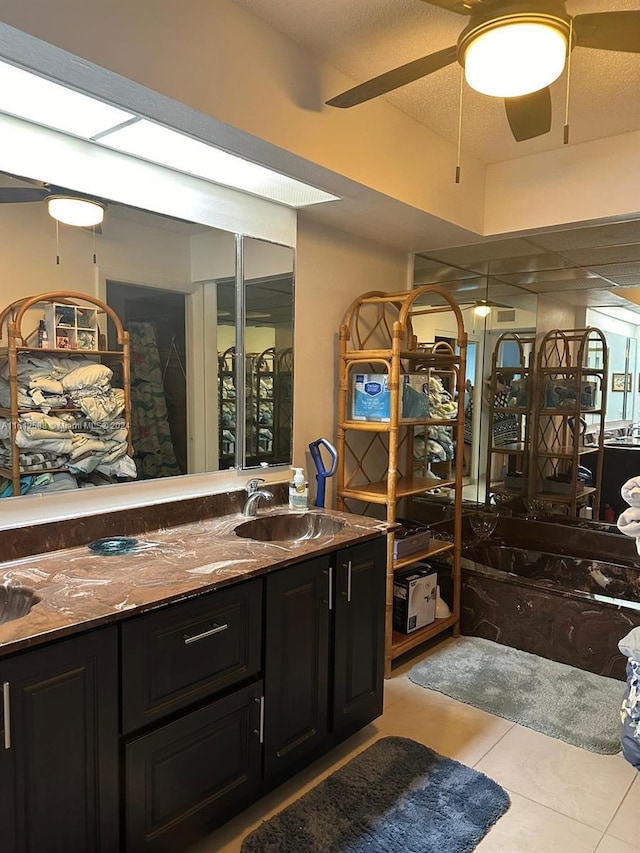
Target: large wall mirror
x,y
526,286
210,319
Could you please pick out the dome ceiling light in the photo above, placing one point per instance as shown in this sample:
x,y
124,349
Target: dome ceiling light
x,y
80,212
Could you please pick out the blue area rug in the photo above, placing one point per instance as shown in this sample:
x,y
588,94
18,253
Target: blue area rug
x,y
570,704
395,797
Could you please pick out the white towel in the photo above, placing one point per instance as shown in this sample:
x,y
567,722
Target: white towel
x,y
629,524
631,491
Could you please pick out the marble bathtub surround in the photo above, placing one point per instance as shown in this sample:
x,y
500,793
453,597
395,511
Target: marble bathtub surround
x,y
81,589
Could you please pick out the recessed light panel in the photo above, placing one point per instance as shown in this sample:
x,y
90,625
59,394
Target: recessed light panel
x,y
167,147
44,102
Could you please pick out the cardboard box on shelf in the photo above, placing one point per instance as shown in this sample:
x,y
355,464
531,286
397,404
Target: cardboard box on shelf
x,y
414,598
371,398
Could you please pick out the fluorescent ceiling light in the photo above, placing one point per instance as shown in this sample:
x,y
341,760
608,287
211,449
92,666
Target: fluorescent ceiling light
x,y
75,211
167,147
42,101
513,58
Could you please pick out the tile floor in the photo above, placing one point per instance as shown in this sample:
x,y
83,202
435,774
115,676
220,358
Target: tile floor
x,y
563,799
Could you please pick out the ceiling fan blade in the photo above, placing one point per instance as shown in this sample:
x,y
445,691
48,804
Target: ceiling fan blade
x,y
391,80
462,7
609,31
530,115
17,195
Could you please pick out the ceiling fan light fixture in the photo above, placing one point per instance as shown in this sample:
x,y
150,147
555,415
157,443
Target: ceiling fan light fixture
x,y
75,211
507,58
481,309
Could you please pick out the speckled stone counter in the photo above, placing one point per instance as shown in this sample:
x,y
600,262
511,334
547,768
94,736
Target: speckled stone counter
x,y
81,589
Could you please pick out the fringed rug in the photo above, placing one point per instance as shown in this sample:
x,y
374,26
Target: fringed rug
x,y
395,797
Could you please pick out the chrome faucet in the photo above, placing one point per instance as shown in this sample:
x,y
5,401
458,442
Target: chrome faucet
x,y
254,495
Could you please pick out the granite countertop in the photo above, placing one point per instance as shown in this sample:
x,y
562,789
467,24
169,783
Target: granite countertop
x,y
81,589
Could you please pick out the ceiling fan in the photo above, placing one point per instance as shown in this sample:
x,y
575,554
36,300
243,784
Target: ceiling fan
x,y
64,205
513,50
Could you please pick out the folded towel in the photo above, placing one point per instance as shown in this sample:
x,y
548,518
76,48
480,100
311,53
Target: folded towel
x,y
631,491
629,524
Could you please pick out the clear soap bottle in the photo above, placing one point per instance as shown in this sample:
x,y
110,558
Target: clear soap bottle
x,y
298,490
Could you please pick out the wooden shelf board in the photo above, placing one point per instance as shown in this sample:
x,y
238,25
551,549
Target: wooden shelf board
x,y
514,447
566,451
377,492
561,497
65,351
402,643
507,490
385,426
569,411
436,546
440,360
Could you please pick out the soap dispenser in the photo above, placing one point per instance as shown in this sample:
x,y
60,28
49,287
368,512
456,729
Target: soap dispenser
x,y
298,490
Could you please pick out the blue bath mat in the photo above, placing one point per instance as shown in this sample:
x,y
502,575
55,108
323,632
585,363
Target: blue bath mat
x,y
570,704
395,797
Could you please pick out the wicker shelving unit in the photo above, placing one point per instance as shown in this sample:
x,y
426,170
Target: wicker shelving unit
x,y
376,464
72,318
570,403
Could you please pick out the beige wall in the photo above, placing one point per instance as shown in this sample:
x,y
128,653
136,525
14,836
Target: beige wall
x,y
335,269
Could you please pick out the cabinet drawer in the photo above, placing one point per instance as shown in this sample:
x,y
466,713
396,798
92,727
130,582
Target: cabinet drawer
x,y
187,651
185,778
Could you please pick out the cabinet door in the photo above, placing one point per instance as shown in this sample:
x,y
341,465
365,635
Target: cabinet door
x,y
359,636
59,764
296,665
185,778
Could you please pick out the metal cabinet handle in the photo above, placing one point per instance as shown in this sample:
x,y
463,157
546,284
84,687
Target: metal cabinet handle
x,y
330,587
6,705
215,630
260,730
349,581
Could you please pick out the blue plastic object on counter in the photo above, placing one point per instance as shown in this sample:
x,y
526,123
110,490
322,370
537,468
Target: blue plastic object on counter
x,y
322,472
113,545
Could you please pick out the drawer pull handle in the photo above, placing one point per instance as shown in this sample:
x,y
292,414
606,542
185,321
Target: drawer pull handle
x,y
215,630
6,704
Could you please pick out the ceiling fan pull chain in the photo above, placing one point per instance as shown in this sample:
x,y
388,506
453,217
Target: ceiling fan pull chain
x,y
57,243
566,108
459,126
94,246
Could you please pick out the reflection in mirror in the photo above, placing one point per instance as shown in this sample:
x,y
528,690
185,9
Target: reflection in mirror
x,y
163,277
564,279
267,297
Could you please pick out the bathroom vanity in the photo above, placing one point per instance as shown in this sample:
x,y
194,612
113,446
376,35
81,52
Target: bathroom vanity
x,y
151,695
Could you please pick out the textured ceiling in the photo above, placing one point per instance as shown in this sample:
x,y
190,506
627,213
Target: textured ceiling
x,y
364,38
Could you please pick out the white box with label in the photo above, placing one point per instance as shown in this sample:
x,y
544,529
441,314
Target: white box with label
x,y
414,599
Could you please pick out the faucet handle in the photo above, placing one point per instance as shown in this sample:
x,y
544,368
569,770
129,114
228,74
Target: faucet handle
x,y
254,484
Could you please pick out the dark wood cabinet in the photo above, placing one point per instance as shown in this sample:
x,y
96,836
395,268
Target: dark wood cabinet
x,y
358,674
296,664
186,777
324,654
59,755
152,733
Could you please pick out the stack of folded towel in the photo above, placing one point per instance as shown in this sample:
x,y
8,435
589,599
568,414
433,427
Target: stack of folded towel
x,y
629,520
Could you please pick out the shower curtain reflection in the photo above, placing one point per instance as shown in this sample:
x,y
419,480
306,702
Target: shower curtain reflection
x,y
154,453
